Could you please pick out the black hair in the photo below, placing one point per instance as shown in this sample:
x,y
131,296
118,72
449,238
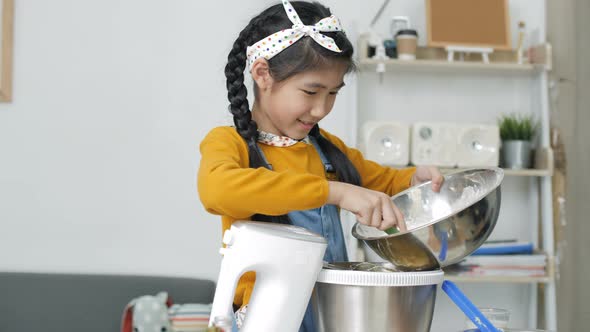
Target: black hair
x,y
303,55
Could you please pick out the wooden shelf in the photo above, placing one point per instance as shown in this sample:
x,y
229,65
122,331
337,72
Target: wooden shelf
x,y
543,166
528,172
451,67
434,59
510,172
498,279
511,86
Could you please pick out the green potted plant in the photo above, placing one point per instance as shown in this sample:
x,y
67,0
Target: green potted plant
x,y
517,132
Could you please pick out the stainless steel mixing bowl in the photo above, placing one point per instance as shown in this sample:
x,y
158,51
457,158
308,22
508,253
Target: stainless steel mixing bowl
x,y
443,227
353,296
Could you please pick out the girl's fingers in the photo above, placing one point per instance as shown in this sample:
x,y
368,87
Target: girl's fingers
x,y
401,223
389,218
367,217
436,178
377,218
437,184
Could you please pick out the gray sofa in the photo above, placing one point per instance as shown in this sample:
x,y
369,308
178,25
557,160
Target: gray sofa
x,y
32,302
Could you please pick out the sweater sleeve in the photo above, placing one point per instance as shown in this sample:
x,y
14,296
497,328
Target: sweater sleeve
x,y
374,176
227,186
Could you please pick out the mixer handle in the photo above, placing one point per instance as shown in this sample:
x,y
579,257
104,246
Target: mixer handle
x,y
225,289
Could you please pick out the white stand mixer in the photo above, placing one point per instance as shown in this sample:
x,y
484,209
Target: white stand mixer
x,y
287,260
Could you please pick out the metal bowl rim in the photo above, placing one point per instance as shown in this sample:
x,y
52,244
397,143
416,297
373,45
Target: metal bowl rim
x,y
499,179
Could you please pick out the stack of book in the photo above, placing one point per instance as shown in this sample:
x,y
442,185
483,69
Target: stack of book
x,y
190,317
502,259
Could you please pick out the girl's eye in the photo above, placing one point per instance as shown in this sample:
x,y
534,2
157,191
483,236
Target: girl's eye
x,y
311,93
333,92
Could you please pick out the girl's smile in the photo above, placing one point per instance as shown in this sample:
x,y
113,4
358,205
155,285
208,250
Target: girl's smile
x,y
294,106
307,125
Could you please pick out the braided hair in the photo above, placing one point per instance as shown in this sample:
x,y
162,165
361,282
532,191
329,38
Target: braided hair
x,y
302,56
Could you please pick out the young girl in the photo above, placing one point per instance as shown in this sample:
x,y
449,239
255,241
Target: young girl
x,y
276,164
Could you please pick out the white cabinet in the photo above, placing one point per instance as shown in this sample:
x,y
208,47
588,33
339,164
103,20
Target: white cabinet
x,y
430,89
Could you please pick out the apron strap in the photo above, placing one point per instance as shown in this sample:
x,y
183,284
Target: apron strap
x,y
327,165
268,165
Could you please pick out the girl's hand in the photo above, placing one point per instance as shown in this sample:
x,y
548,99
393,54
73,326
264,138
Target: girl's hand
x,y
372,208
428,173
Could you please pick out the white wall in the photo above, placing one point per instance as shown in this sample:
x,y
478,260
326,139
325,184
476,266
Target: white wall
x,y
99,149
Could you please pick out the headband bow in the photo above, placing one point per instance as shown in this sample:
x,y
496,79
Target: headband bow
x,y
275,43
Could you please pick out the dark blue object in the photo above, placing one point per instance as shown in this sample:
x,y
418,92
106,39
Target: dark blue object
x,y
390,48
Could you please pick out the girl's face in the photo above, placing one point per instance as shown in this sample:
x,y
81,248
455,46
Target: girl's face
x,y
292,107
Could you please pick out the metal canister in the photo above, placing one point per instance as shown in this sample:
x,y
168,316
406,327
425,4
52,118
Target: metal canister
x,y
374,297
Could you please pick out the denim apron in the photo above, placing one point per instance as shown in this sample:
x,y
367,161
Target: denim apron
x,y
324,221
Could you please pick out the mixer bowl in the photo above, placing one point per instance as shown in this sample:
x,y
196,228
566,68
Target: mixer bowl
x,y
443,227
361,296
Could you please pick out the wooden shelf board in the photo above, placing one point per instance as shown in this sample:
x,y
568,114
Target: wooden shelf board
x,y
442,66
499,279
510,172
435,59
528,172
543,166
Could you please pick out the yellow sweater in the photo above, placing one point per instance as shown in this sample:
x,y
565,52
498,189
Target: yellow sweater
x,y
228,187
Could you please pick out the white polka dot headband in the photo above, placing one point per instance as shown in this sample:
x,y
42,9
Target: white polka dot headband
x,y
275,43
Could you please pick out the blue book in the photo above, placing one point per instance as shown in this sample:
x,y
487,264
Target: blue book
x,y
505,248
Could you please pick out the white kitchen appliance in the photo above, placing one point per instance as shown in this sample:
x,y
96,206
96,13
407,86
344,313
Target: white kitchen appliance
x,y
434,143
287,260
478,145
387,143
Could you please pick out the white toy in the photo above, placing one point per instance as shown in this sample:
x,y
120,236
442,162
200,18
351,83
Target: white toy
x,y
147,314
